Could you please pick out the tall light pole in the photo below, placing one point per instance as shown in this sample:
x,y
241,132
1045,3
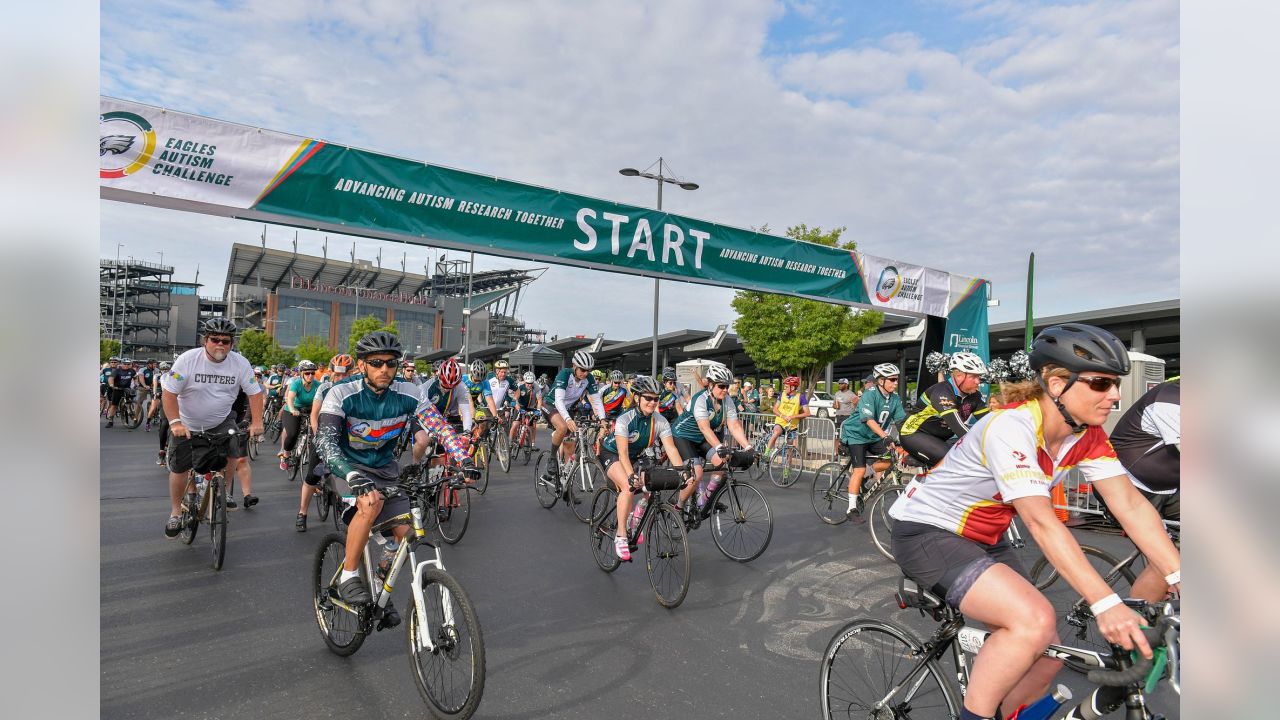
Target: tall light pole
x,y
115,301
632,172
304,308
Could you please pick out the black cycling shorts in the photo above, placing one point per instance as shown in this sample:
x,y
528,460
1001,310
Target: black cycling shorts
x,y
928,449
861,451
691,450
945,563
203,454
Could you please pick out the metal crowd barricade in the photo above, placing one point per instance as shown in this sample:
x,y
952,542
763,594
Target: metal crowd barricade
x,y
1078,500
818,444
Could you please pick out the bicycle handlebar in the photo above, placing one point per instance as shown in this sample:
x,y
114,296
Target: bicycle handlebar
x,y
1156,637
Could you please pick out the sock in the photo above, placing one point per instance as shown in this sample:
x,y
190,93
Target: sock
x,y
967,714
346,575
853,502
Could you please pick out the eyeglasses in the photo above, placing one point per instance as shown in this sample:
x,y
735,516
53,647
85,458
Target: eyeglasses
x,y
1099,384
308,372
649,398
892,379
219,340
378,364
722,386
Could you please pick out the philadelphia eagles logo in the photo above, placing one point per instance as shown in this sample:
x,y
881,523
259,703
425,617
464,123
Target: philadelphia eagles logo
x,y
117,144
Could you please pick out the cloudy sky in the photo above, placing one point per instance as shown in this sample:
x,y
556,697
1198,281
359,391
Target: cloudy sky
x,y
958,134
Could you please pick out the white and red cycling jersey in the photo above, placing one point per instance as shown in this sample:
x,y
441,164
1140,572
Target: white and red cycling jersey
x,y
1001,459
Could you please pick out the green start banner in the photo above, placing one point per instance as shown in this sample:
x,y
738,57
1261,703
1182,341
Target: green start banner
x,y
171,159
967,321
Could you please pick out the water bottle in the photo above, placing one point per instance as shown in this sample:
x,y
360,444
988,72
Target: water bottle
x,y
638,512
711,489
1045,707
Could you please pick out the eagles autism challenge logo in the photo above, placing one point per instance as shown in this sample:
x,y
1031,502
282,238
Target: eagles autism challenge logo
x,y
125,144
889,284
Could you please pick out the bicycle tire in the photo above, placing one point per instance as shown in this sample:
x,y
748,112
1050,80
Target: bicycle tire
x,y
450,665
1076,624
252,447
297,458
275,428
133,416
603,527
190,518
523,445
341,630
783,470
481,460
324,503
743,529
878,520
867,658
218,522
502,449
453,511
584,485
667,555
830,494
543,488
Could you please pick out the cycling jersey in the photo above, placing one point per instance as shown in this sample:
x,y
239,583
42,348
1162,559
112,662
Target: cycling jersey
x,y
1002,458
124,378
1147,439
703,407
528,397
499,390
946,413
874,405
567,390
148,374
451,403
641,431
614,400
667,405
206,389
274,381
790,404
302,395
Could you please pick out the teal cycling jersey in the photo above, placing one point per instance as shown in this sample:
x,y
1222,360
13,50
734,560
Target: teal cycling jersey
x,y
528,399
873,406
447,401
703,407
303,396
641,431
571,389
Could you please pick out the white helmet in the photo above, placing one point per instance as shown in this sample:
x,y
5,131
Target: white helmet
x,y
885,370
967,362
717,374
528,377
584,360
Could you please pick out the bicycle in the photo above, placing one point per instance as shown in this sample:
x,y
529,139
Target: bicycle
x,y
880,669
297,458
451,506
273,424
327,500
577,476
127,411
499,439
741,519
830,494
661,525
446,648
758,442
786,465
206,498
524,432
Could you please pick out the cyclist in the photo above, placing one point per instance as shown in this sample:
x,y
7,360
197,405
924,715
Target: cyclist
x,y
529,403
199,391
866,432
669,402
571,385
1148,440
120,382
274,384
635,431
104,387
949,531
450,398
240,458
409,372
148,399
791,407
340,367
359,423
950,408
164,424
615,399
700,428
298,397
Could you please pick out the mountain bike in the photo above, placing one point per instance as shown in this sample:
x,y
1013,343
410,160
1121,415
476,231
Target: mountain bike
x,y
577,477
450,506
205,499
272,424
739,514
786,465
660,528
880,669
446,648
127,411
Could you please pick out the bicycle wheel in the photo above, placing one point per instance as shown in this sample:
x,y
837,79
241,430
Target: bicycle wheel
x,y
1029,555
481,459
869,658
275,427
218,522
544,488
668,560
878,520
252,446
449,677
190,518
324,502
588,475
604,526
135,416
524,447
785,467
297,458
340,628
741,521
1076,624
502,449
830,495
453,509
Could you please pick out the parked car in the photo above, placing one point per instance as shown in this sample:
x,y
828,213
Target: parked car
x,y
820,404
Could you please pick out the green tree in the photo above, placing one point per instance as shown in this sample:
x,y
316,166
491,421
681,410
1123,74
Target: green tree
x,y
788,335
260,348
107,348
315,349
365,325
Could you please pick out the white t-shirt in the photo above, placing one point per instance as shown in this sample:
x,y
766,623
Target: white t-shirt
x,y
206,389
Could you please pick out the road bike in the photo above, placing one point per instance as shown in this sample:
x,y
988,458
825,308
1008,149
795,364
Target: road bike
x,y
205,499
523,447
577,475
739,514
272,423
759,441
786,465
830,493
875,668
450,506
297,458
446,648
660,528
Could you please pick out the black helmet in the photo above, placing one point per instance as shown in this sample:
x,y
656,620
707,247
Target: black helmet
x,y
380,341
644,385
1079,348
218,326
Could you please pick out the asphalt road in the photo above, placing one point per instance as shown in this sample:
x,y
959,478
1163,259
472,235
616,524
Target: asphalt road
x,y
562,638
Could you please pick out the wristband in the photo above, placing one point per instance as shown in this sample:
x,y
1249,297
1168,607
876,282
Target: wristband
x,y
174,421
1105,604
1173,578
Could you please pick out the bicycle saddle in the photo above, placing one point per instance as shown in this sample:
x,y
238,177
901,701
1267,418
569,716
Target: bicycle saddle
x,y
910,594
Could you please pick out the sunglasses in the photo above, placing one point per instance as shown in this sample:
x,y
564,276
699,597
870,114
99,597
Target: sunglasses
x,y
220,340
1099,384
378,364
722,386
308,372
649,398
892,379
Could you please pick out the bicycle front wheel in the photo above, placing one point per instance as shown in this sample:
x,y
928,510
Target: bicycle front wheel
x,y
482,460
502,449
1077,626
453,509
190,518
450,675
218,523
604,526
543,487
588,476
339,627
867,660
785,467
878,520
668,556
134,417
830,496
324,502
741,521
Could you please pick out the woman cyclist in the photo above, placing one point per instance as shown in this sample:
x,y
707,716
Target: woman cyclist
x,y
699,431
340,368
949,531
297,404
669,402
527,401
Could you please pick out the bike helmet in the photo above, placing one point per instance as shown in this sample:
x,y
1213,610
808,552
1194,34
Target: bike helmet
x,y
114,359
260,369
306,366
477,369
501,365
380,341
126,361
718,374
165,366
584,360
218,326
449,374
1077,348
341,363
407,363
792,381
668,373
967,362
885,370
615,376
528,377
644,385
